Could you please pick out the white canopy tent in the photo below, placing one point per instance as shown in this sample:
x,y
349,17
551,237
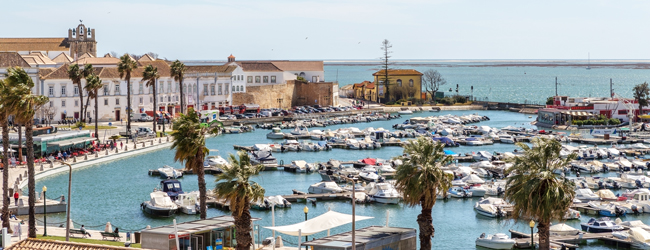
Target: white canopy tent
x,y
10,150
318,224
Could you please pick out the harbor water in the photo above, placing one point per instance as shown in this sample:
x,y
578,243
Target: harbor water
x,y
501,81
112,191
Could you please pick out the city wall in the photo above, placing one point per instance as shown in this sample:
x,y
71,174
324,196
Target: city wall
x,y
292,93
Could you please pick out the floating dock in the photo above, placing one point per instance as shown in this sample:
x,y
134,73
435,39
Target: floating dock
x,y
569,241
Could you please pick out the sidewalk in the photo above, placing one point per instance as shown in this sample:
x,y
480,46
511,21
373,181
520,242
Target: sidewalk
x,y
59,231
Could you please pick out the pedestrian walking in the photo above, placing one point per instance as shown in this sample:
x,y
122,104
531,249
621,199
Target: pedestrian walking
x,y
120,121
16,196
121,145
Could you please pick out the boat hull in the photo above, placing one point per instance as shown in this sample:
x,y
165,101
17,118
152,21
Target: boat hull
x,y
495,244
158,212
386,200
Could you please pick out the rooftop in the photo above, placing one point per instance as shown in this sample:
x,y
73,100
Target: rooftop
x,y
34,44
364,237
398,72
12,59
41,244
192,227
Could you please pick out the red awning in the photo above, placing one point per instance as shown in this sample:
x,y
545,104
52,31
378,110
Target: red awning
x,y
369,161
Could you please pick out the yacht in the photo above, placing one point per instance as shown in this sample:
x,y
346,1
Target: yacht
x,y
384,193
496,241
168,172
325,187
188,203
276,133
172,187
159,205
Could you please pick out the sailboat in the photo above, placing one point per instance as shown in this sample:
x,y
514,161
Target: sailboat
x,y
588,61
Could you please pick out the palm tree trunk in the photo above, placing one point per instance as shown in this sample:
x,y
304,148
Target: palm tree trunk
x,y
20,143
31,182
180,87
155,109
202,190
543,230
5,173
128,106
243,227
85,110
426,228
96,126
81,101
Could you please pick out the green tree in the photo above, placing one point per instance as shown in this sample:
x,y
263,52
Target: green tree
x,y
177,70
385,64
641,94
189,142
88,70
125,67
550,100
535,191
235,186
26,107
420,179
93,85
150,76
76,74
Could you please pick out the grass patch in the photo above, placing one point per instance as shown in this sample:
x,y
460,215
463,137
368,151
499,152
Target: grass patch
x,y
90,241
88,127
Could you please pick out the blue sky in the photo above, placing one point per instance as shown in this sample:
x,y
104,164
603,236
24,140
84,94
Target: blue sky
x,y
337,29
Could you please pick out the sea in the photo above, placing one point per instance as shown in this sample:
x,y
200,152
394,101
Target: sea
x,y
113,191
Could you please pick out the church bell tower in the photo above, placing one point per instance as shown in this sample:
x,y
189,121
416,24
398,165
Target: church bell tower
x,y
82,41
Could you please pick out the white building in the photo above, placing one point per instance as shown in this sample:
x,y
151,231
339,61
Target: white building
x,y
258,73
208,86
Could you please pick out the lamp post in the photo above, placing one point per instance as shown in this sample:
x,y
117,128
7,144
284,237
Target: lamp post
x,y
354,243
306,210
532,242
67,222
44,212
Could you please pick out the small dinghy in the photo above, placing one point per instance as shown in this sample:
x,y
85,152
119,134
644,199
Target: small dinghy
x,y
496,241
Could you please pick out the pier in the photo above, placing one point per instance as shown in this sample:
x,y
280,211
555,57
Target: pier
x,y
570,241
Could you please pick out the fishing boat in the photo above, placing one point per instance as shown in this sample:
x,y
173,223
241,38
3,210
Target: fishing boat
x,y
325,187
384,193
159,205
168,172
276,133
496,241
601,225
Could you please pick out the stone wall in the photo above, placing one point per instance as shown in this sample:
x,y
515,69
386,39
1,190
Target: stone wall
x,y
293,93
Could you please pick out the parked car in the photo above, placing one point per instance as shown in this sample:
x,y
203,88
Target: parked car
x,y
145,118
240,116
144,131
249,115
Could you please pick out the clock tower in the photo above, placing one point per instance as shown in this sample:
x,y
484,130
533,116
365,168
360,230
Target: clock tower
x,y
82,41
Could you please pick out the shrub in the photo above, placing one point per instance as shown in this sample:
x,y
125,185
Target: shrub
x,y
460,99
80,124
447,101
614,121
390,103
400,101
550,100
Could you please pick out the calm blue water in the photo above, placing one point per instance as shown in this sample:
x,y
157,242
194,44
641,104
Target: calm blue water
x,y
508,84
113,191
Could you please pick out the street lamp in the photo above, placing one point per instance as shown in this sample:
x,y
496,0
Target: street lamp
x,y
67,221
306,209
532,242
44,212
354,197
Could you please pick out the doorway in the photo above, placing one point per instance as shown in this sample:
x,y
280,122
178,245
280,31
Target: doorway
x,y
117,115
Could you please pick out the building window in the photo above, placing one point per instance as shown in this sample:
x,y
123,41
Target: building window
x,y
265,79
272,79
211,89
150,89
106,92
63,103
411,83
176,88
161,99
185,89
205,89
257,79
314,79
140,100
161,89
51,91
117,101
76,91
169,87
117,89
51,104
150,99
233,88
399,82
226,88
76,103
105,101
63,91
140,88
249,79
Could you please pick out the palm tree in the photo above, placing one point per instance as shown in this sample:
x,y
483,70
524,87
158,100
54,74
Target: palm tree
x,y
93,85
235,186
26,107
177,70
125,67
6,109
189,142
420,180
536,193
88,70
150,76
75,73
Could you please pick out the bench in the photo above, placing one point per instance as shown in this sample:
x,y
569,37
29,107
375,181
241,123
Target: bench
x,y
115,236
77,231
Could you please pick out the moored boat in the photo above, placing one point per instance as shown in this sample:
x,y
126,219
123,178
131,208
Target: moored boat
x,y
496,241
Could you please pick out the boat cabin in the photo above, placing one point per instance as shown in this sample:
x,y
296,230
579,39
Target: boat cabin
x,y
172,187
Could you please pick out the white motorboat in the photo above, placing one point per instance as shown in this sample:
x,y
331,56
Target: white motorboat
x,y
384,193
264,158
168,172
571,214
640,238
477,190
217,161
352,144
159,205
325,187
586,194
276,133
317,134
483,156
496,241
507,139
491,207
405,112
562,229
473,179
369,176
291,145
302,166
188,203
300,131
459,192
